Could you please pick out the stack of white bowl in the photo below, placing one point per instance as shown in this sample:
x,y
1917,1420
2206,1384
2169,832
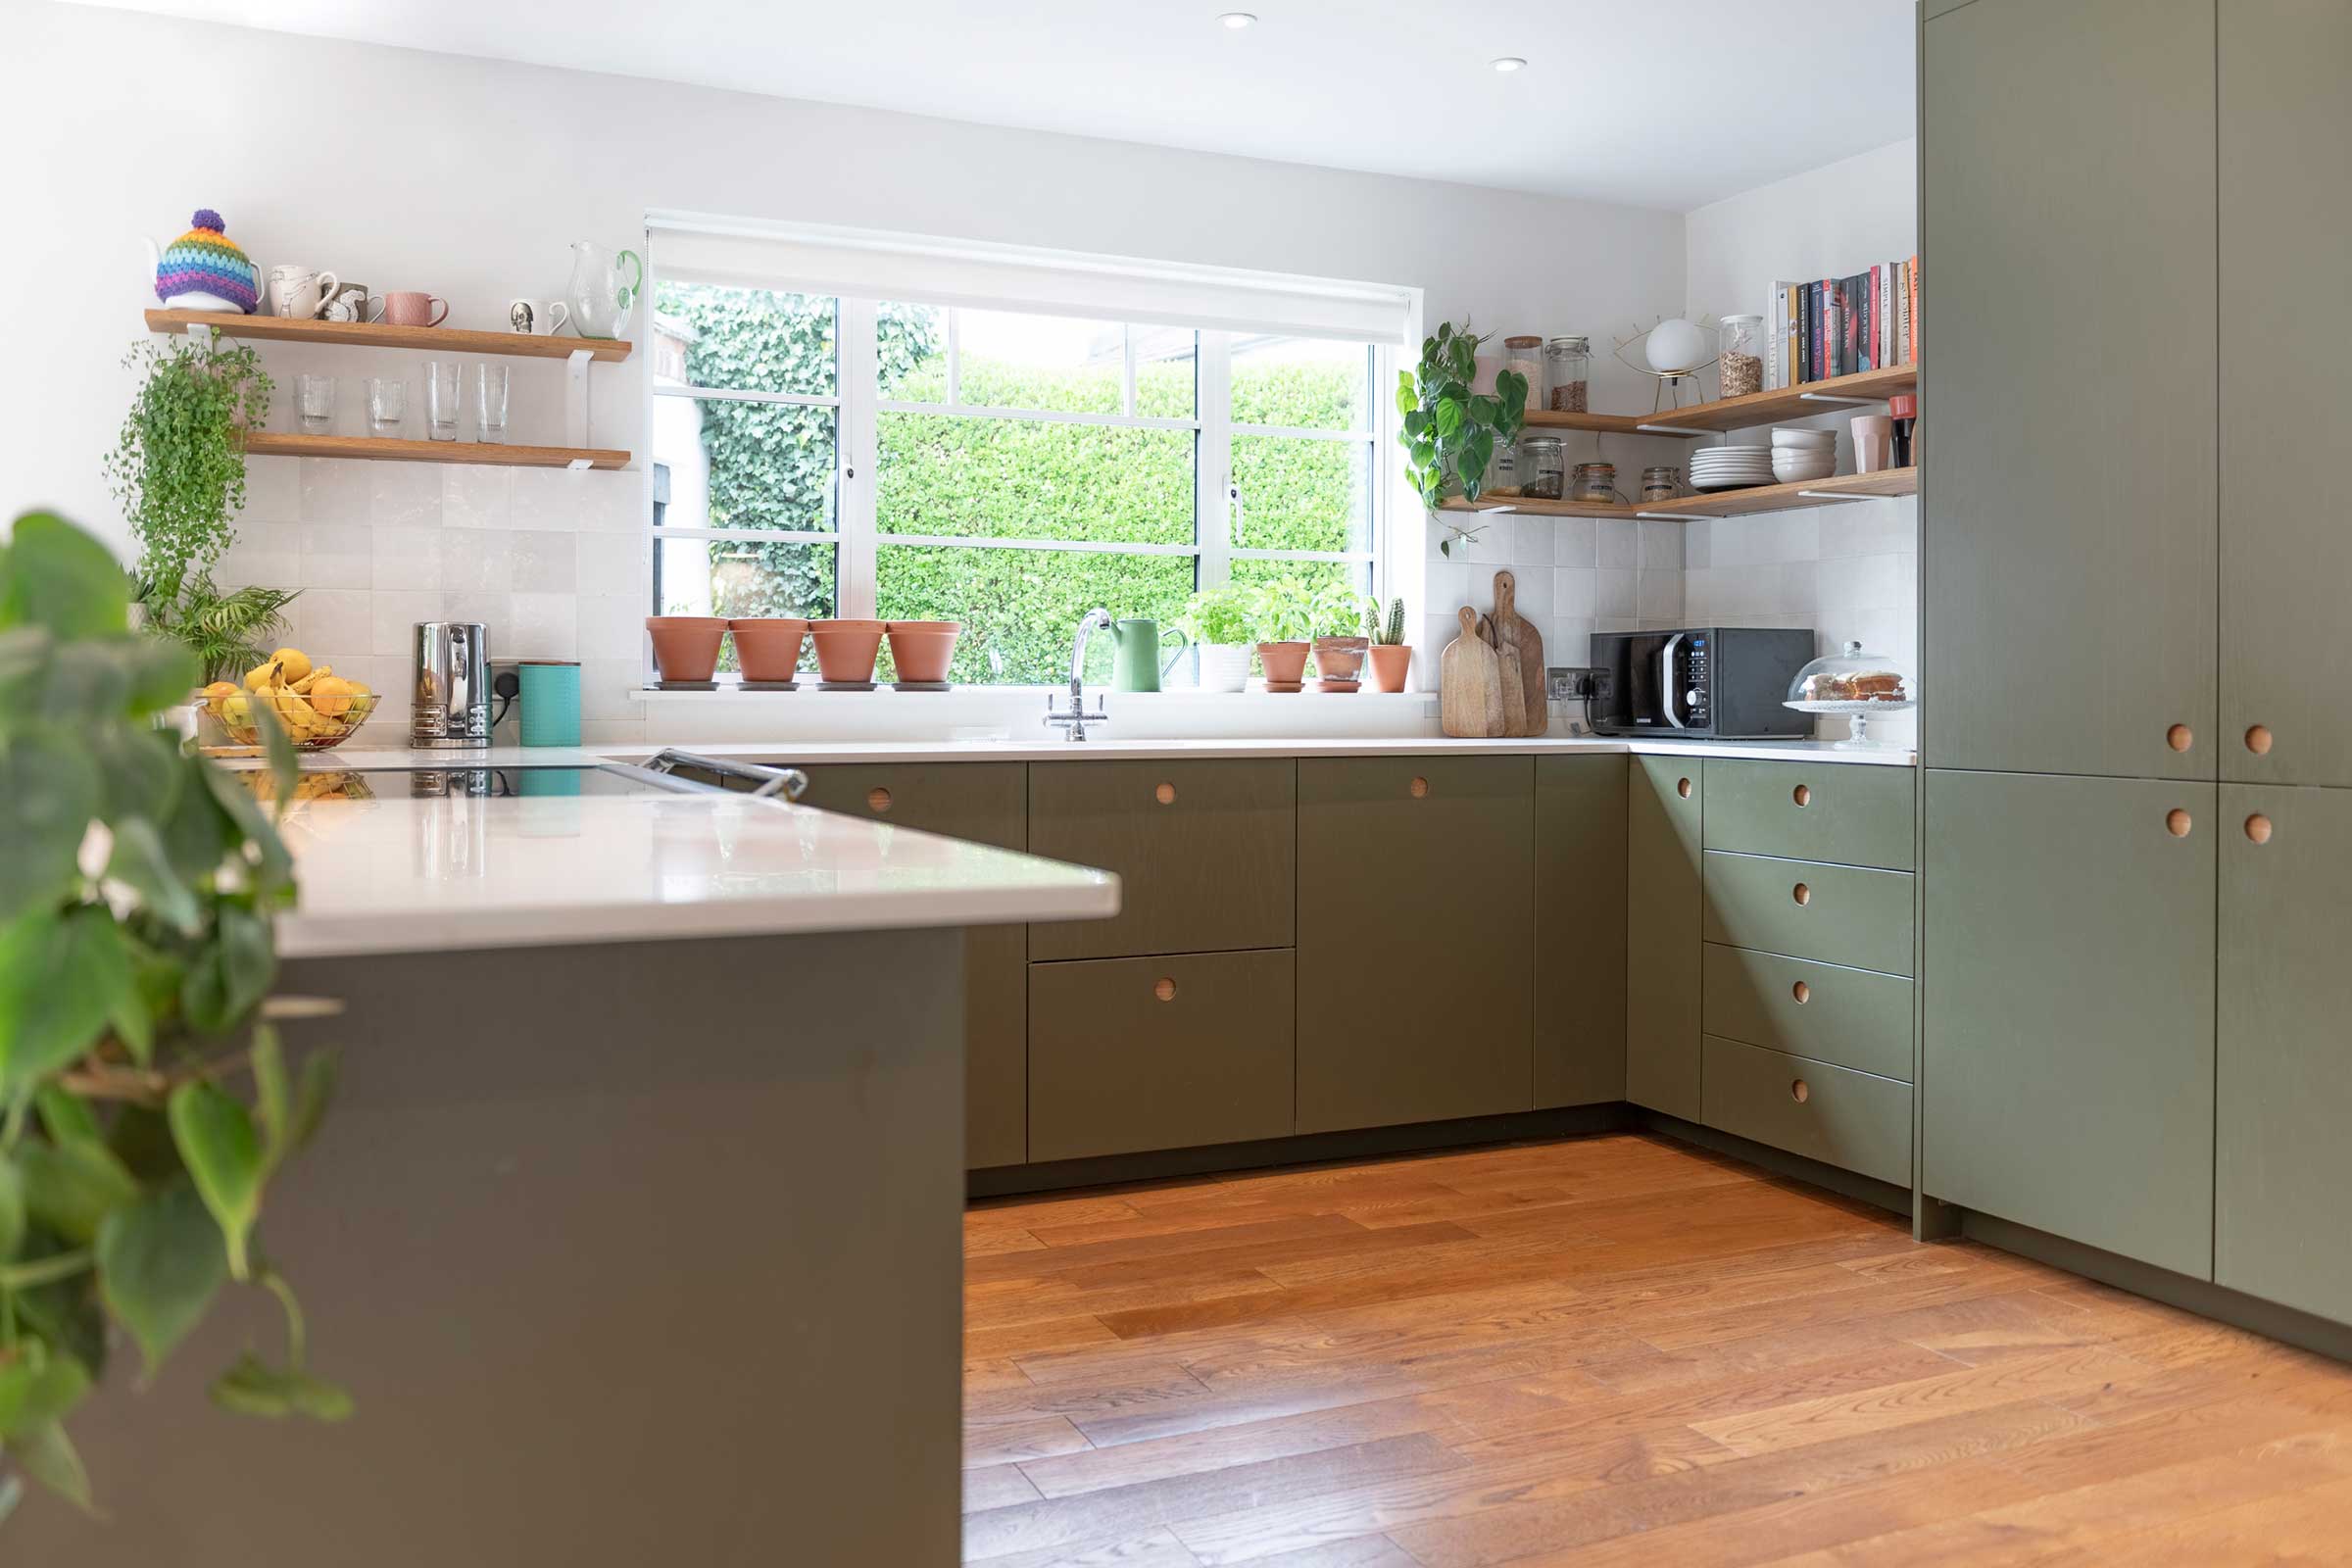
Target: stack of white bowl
x,y
1730,468
1801,456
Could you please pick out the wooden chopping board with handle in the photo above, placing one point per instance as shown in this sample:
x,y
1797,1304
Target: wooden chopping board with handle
x,y
1469,684
1525,664
1498,636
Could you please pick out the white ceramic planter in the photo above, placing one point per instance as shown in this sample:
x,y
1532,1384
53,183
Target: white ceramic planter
x,y
1224,667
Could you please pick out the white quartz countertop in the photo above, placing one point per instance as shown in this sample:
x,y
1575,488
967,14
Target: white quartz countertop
x,y
395,874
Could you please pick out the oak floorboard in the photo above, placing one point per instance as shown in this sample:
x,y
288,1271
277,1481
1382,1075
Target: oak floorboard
x,y
1607,1350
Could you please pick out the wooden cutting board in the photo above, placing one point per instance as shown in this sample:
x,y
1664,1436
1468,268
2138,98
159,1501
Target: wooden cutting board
x,y
1469,684
1499,636
1527,663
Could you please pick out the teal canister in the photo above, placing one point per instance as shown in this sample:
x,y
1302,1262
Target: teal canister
x,y
551,703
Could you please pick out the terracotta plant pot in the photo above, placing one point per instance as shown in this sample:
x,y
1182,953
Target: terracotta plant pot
x,y
846,650
922,650
769,648
1284,664
1341,659
1390,664
686,647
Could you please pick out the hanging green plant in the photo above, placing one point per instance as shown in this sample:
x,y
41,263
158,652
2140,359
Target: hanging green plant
x,y
178,465
1450,434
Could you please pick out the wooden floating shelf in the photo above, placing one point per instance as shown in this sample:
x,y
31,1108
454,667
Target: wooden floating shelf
x,y
1719,504
389,450
1738,413
378,335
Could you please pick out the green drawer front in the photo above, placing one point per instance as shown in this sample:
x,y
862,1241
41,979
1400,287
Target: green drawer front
x,y
1847,812
1856,1121
1115,1067
1835,913
1211,868
1851,1017
981,803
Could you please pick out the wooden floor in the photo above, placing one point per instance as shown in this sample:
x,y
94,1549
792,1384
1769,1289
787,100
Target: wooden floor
x,y
1614,1349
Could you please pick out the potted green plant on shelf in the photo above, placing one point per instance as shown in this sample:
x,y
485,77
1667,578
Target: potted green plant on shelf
x,y
1392,656
1295,615
1218,621
1452,434
145,1100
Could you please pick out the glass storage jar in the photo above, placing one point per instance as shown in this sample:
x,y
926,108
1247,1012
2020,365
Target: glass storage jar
x,y
1740,355
1502,474
1663,482
1542,476
1525,355
1594,482
1567,364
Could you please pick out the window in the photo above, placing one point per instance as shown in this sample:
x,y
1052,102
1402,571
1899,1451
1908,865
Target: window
x,y
907,461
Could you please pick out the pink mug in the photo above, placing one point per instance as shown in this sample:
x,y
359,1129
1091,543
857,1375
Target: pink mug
x,y
409,308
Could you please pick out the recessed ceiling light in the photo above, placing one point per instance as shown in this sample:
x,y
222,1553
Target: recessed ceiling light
x,y
1237,20
1507,63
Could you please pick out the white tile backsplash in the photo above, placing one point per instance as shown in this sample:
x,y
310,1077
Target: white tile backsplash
x,y
335,490
408,558
477,497
337,554
394,617
406,495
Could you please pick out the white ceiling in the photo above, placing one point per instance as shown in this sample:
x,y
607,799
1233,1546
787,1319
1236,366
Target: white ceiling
x,y
1658,103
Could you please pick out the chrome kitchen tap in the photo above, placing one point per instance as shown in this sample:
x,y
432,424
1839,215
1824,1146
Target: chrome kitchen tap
x,y
1077,718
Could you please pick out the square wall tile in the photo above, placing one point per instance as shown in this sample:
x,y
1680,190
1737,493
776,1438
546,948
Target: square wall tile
x,y
336,489
474,497
408,558
491,610
268,553
406,495
273,491
333,617
1573,542
1533,544
393,618
1661,545
478,559
546,563
611,563
539,626
1619,544
612,626
1574,590
337,554
1531,591
1616,595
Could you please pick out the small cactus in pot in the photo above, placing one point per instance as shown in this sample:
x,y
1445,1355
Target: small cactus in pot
x,y
1392,657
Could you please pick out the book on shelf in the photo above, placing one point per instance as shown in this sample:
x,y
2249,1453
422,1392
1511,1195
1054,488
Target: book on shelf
x,y
1829,327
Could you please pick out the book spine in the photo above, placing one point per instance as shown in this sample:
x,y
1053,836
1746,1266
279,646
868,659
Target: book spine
x,y
1914,310
1883,313
1871,358
1902,313
1771,338
1795,324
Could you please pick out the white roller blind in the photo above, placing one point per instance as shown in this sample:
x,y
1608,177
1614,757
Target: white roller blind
x,y
871,264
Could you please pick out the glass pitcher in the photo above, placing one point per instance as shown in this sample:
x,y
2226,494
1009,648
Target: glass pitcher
x,y
600,300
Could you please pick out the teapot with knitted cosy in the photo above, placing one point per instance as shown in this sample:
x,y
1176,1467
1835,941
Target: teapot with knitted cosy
x,y
204,270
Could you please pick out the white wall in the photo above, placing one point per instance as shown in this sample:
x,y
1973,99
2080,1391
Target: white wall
x,y
1850,570
469,177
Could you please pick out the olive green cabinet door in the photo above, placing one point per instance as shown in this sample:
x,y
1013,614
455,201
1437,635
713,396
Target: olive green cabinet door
x,y
1204,852
1580,930
982,802
2068,404
2284,1074
1848,813
2287,514
2069,1007
1663,902
1416,905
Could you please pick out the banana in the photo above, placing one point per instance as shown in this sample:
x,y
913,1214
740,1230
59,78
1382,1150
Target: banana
x,y
316,673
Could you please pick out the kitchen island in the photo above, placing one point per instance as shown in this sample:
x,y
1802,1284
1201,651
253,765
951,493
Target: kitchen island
x,y
635,1228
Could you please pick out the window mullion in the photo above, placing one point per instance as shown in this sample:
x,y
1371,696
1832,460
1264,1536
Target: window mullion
x,y
1212,524
861,383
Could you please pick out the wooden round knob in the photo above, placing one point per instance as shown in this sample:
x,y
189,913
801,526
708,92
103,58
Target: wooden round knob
x,y
1418,787
2176,822
877,800
2258,740
1165,989
1165,795
2258,828
2179,737
1799,1089
1801,892
1681,787
1802,992
1802,794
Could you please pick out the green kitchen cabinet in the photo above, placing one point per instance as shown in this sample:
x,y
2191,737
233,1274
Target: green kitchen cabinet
x,y
2283,1071
1580,930
1847,914
982,802
2068,1006
1849,813
1854,1120
2286,552
1664,796
1129,1054
1416,945
1851,1017
1205,852
2069,484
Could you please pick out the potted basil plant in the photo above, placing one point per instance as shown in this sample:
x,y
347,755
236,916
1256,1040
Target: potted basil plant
x,y
1218,620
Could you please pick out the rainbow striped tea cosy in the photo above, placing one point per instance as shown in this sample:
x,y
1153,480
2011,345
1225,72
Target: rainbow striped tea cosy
x,y
204,261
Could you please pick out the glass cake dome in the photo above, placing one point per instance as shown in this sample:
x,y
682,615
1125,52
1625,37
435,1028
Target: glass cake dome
x,y
1854,683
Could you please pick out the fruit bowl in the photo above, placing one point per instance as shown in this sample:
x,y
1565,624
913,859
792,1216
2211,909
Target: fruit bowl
x,y
320,731
316,708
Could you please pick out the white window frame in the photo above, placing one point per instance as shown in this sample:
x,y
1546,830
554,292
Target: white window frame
x,y
857,409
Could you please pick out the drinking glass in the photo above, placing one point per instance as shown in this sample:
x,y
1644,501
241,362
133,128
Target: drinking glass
x,y
441,386
314,399
387,404
490,401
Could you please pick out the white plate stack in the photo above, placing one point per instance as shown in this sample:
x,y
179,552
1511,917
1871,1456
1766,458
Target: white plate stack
x,y
1801,457
1730,468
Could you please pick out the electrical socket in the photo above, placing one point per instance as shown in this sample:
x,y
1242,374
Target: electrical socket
x,y
1570,682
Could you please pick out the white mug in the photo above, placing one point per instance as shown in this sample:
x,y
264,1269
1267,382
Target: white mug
x,y
297,291
537,318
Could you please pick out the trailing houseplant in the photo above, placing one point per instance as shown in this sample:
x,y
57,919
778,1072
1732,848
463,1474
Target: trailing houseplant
x,y
145,1102
1450,434
1218,620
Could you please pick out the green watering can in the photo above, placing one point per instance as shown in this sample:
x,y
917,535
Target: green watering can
x,y
1135,665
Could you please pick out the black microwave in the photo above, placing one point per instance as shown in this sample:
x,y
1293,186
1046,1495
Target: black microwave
x,y
1707,682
